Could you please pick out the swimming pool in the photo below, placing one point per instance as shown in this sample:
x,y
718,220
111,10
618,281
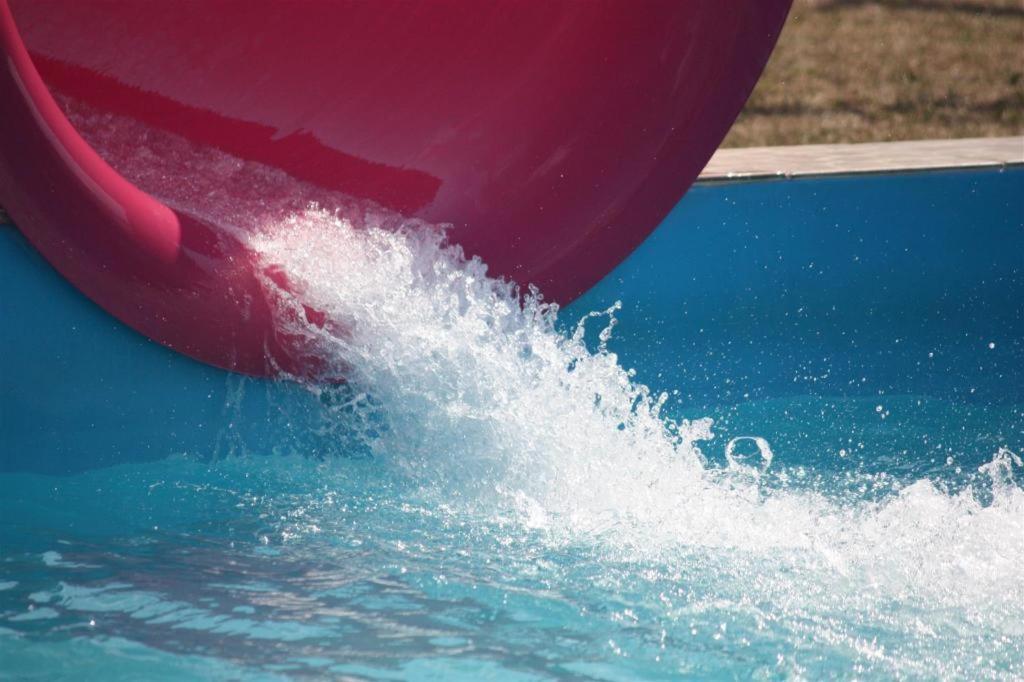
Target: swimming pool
x,y
489,500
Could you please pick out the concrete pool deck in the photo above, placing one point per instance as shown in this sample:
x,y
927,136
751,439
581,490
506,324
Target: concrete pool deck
x,y
749,163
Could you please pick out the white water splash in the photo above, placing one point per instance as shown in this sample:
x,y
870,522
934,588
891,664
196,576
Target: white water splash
x,y
481,404
483,397
464,387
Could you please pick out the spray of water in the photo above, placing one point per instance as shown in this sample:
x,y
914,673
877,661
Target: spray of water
x,y
480,398
460,385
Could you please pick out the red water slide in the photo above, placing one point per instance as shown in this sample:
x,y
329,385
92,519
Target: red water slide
x,y
553,134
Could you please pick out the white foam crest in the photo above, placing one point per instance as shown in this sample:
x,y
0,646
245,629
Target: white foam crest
x,y
469,392
487,405
481,393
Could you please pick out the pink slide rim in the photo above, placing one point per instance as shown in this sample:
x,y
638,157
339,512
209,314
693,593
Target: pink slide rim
x,y
192,287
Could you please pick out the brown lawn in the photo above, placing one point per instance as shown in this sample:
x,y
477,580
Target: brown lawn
x,y
875,70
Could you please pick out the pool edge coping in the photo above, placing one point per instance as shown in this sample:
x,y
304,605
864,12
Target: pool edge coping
x,y
801,161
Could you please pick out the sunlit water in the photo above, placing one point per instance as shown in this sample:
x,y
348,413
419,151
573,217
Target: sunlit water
x,y
493,495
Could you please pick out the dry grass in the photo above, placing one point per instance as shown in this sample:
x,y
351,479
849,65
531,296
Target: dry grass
x,y
876,70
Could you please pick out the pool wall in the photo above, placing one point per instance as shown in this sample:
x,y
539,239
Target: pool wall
x,y
907,283
844,284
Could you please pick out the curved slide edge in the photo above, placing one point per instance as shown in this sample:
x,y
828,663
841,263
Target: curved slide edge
x,y
164,273
195,288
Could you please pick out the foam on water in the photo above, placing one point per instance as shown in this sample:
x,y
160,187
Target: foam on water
x,y
463,389
482,401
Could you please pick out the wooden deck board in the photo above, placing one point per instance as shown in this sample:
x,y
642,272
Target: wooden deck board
x,y
872,157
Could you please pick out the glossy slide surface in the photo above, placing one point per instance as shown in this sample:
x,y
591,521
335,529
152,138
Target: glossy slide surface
x,y
553,135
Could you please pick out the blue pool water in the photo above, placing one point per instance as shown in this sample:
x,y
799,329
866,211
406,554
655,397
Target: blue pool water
x,y
499,495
